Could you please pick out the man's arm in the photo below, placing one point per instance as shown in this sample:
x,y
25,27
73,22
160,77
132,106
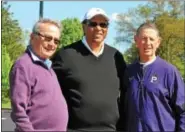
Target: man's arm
x,y
19,95
122,101
58,66
61,71
178,101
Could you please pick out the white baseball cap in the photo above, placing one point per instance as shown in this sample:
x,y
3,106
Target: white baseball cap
x,y
93,12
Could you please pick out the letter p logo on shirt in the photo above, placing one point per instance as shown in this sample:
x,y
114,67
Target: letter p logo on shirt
x,y
154,79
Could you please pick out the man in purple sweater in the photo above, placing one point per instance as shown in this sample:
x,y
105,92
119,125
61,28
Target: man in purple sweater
x,y
36,98
156,97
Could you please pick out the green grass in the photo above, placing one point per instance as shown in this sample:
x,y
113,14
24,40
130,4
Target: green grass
x,y
6,105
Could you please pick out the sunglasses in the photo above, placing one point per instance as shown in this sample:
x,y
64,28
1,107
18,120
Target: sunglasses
x,y
48,38
94,24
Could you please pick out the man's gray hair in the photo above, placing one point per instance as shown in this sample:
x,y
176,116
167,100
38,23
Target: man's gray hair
x,y
36,27
146,26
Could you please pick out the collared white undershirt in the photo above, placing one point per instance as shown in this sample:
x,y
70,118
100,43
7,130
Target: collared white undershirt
x,y
86,45
149,62
46,62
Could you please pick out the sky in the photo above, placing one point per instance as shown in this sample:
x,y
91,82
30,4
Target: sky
x,y
27,13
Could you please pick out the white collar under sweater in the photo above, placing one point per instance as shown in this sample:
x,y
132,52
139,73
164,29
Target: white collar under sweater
x,y
87,46
149,62
46,62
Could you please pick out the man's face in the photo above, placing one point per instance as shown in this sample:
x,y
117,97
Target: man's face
x,y
45,42
147,42
95,34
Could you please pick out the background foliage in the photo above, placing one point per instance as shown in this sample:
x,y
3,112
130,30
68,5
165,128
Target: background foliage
x,y
72,31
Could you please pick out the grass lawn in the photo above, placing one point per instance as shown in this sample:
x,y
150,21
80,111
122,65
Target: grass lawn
x,y
5,104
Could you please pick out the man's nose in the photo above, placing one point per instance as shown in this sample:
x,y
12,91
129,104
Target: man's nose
x,y
98,27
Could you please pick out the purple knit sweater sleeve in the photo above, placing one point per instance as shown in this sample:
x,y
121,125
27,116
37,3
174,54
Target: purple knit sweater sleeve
x,y
178,98
20,94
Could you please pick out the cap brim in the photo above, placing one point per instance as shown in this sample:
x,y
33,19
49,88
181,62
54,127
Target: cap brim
x,y
105,16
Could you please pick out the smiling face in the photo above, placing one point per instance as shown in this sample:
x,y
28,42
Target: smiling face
x,y
147,42
45,42
95,35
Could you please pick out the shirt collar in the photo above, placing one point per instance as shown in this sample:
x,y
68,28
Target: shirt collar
x,y
35,58
87,46
149,62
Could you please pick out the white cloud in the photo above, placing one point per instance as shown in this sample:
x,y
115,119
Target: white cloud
x,y
114,16
117,16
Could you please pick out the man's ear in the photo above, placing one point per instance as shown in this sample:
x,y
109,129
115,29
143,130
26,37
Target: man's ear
x,y
159,42
31,36
83,28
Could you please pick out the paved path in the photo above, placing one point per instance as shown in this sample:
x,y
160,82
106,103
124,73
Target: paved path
x,y
6,122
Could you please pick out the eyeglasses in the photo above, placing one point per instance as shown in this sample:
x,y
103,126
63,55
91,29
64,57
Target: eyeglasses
x,y
94,24
48,38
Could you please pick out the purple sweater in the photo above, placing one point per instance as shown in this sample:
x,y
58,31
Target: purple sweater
x,y
156,98
37,101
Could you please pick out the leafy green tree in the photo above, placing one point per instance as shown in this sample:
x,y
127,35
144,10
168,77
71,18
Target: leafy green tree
x,y
131,54
128,22
172,47
72,31
12,35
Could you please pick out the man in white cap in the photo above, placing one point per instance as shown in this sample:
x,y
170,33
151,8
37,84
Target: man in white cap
x,y
90,74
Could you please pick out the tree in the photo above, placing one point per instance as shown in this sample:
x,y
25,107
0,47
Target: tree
x,y
72,31
128,22
11,33
131,54
172,47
